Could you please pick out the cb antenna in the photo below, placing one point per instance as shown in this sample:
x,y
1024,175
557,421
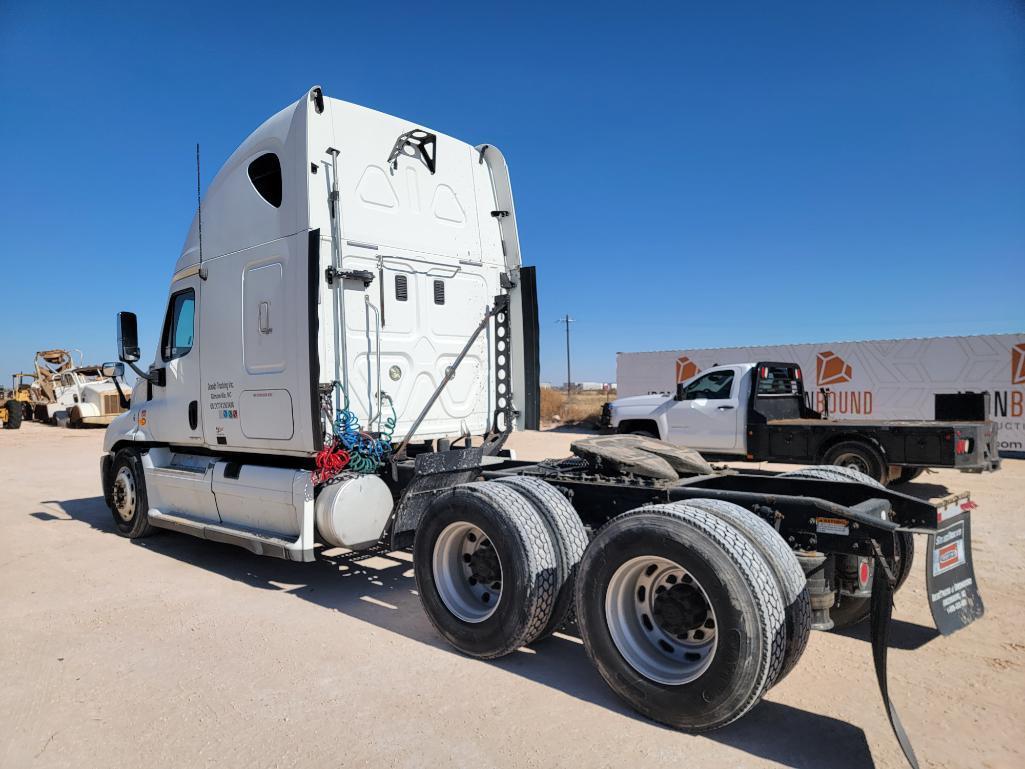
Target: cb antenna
x,y
199,206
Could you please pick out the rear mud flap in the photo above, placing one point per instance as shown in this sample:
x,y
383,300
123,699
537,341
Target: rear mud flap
x,y
953,597
950,576
882,610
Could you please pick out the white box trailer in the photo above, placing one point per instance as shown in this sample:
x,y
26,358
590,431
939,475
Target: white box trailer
x,y
882,379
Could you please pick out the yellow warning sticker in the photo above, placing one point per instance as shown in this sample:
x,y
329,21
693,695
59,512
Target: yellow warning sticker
x,y
832,526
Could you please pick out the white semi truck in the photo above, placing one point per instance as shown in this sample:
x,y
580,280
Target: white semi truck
x,y
349,339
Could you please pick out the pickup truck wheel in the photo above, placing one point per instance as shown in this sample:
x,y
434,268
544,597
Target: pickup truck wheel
x,y
14,413
857,456
790,577
681,615
568,536
485,568
129,503
26,412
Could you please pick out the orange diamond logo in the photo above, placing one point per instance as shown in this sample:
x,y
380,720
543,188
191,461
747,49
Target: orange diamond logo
x,y
685,369
1017,364
831,369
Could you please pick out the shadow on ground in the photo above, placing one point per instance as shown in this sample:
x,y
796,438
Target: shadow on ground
x,y
379,589
572,427
906,636
923,490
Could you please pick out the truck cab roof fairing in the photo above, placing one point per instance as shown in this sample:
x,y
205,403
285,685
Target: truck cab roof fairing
x,y
235,214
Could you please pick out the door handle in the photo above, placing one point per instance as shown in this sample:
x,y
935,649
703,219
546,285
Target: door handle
x,y
193,415
265,318
724,408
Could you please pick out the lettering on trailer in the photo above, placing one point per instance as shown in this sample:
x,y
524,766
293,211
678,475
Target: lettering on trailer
x,y
950,577
221,398
1009,405
830,370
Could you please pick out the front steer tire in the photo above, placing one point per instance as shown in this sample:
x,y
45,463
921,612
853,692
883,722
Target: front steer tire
x,y
496,532
736,586
129,503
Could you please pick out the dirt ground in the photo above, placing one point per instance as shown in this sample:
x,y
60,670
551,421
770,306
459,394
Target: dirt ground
x,y
176,652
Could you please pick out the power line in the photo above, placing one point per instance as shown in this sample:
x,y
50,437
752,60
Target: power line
x,y
569,379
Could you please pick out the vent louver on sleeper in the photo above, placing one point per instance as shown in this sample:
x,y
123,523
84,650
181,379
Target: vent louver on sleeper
x,y
439,292
401,288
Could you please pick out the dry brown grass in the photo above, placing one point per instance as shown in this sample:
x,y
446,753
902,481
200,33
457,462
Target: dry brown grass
x,y
551,403
581,408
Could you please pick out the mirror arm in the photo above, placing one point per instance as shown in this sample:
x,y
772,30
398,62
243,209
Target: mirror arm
x,y
122,398
143,374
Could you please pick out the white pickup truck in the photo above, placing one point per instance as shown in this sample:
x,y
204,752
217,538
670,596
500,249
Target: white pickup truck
x,y
757,411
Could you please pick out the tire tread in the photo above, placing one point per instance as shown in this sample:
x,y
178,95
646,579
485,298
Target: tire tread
x,y
568,537
782,561
539,555
755,572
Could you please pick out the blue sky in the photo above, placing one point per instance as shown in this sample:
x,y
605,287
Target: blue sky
x,y
686,174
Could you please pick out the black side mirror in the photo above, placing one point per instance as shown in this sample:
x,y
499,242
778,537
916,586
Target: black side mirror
x,y
127,337
679,391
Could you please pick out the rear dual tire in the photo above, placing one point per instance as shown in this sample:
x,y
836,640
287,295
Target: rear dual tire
x,y
569,540
781,560
708,653
680,607
485,569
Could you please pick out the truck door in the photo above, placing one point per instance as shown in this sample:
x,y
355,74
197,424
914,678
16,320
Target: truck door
x,y
173,414
261,313
707,418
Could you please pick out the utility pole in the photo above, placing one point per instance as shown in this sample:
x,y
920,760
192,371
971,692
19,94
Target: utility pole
x,y
569,379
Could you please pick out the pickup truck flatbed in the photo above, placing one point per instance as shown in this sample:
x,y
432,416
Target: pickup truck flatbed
x,y
758,412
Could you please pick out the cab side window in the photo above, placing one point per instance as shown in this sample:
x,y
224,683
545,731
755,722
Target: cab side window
x,y
179,325
715,385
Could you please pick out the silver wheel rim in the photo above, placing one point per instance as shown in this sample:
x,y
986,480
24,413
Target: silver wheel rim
x,y
124,494
661,620
467,572
853,461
